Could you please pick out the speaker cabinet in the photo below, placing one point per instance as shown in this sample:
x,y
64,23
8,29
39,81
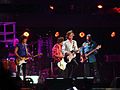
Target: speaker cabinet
x,y
116,82
84,83
58,83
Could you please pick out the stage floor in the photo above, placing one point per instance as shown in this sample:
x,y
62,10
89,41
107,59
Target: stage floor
x,y
78,83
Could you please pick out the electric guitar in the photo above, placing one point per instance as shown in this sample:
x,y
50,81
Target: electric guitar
x,y
22,60
62,64
84,57
67,59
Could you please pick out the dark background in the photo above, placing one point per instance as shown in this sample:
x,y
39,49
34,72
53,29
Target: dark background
x,y
79,15
39,20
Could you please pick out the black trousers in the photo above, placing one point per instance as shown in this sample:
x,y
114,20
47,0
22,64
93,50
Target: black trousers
x,y
72,68
91,69
59,72
23,68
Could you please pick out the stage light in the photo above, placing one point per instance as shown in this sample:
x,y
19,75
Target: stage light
x,y
74,88
113,34
57,34
100,6
26,34
81,34
51,7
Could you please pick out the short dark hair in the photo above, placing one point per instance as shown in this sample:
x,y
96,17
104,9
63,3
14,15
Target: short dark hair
x,y
60,39
22,38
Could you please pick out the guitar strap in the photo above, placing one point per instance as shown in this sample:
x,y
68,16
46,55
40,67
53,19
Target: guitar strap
x,y
75,57
26,49
73,45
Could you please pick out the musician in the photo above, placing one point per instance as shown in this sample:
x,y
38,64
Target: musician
x,y
57,54
68,46
90,65
21,50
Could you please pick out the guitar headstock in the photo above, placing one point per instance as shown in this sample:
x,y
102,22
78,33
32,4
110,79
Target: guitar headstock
x,y
38,55
98,47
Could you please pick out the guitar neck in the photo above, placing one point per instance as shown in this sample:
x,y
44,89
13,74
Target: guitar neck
x,y
35,56
91,52
75,51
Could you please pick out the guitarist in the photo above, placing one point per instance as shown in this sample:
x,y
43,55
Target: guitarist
x,y
57,54
90,64
68,46
21,51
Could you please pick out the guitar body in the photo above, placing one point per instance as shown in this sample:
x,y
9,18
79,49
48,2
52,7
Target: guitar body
x,y
62,64
22,60
69,58
83,58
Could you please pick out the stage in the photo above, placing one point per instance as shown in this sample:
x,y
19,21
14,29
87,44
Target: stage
x,y
35,82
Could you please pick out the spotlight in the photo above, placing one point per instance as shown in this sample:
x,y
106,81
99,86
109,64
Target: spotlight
x,y
81,34
113,34
100,6
57,34
26,34
51,7
74,88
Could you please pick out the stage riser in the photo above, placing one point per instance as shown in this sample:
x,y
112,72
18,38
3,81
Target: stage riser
x,y
63,84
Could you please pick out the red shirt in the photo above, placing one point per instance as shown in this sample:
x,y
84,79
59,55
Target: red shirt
x,y
57,50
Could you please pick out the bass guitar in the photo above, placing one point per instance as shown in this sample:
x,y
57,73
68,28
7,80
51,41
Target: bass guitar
x,y
84,57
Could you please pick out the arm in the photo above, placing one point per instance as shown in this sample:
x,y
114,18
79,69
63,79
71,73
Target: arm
x,y
16,50
82,49
59,56
76,47
56,53
27,51
64,48
28,54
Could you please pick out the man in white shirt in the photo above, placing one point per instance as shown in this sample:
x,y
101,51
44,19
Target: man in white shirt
x,y
69,49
